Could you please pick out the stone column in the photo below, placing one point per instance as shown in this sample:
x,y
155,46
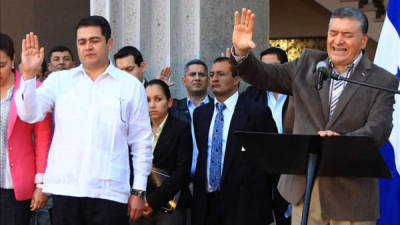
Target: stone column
x,y
172,32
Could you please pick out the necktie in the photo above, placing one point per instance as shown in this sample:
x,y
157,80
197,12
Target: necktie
x,y
338,86
216,148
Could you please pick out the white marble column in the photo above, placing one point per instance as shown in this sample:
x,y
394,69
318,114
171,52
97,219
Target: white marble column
x,y
172,32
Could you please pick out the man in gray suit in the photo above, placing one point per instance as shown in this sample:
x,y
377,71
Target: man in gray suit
x,y
339,108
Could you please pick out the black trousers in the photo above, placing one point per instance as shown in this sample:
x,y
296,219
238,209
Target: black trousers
x,y
279,204
214,209
88,211
178,217
13,212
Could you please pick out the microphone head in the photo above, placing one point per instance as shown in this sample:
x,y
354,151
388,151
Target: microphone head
x,y
322,64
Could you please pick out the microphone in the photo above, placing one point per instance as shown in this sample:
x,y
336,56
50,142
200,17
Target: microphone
x,y
322,74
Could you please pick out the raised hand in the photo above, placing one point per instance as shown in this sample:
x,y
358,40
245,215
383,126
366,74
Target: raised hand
x,y
242,37
31,56
165,74
227,53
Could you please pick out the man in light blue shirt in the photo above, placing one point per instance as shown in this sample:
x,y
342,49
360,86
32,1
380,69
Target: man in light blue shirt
x,y
195,81
278,103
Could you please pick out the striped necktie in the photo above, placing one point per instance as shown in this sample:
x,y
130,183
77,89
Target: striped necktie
x,y
338,86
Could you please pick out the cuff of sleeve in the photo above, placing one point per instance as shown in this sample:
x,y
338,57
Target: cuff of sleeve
x,y
238,59
139,182
27,85
39,178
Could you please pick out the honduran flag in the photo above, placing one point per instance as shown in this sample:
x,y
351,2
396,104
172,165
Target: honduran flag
x,y
388,57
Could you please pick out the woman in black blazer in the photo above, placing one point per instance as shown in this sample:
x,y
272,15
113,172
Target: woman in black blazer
x,y
172,151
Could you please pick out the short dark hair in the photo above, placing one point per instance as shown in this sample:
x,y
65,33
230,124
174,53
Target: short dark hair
x,y
195,62
162,84
129,50
7,45
280,54
59,48
96,21
352,13
226,59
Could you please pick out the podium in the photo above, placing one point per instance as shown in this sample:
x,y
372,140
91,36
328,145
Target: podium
x,y
312,155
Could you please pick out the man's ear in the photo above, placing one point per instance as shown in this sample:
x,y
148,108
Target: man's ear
x,y
236,80
364,41
143,66
183,80
110,43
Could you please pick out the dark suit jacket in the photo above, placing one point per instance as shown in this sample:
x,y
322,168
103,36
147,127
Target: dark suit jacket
x,y
260,96
245,191
360,111
180,110
173,153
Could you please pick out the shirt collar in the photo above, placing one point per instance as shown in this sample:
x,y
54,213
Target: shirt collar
x,y
110,70
350,66
230,102
9,94
190,103
157,130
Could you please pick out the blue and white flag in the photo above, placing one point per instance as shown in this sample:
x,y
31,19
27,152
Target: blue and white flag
x,y
388,56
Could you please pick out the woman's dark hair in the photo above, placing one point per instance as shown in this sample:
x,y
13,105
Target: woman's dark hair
x,y
7,45
162,84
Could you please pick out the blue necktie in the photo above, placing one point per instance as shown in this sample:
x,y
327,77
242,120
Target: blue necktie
x,y
216,148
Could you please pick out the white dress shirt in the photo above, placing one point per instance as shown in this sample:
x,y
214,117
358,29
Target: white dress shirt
x,y
276,106
95,121
228,113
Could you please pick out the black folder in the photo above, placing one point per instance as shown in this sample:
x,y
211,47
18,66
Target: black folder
x,y
156,178
354,156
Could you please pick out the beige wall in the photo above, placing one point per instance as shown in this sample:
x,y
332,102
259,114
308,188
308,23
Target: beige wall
x,y
54,21
297,18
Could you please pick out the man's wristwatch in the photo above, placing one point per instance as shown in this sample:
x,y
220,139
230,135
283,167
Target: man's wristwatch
x,y
139,193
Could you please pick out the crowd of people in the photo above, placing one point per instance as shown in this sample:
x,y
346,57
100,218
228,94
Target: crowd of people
x,y
124,151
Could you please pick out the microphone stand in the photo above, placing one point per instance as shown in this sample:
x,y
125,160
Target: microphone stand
x,y
337,77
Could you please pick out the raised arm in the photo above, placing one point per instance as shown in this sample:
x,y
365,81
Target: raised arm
x,y
33,104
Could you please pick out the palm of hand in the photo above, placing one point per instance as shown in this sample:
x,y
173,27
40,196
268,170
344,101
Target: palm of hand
x,y
242,35
31,60
31,56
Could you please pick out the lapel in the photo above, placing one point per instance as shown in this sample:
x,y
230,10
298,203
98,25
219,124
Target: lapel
x,y
324,96
263,97
238,122
203,123
182,104
360,74
13,108
165,137
313,101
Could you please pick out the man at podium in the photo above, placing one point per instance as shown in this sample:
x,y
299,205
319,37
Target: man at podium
x,y
335,108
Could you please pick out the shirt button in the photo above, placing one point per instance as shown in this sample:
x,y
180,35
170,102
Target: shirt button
x,y
12,164
10,149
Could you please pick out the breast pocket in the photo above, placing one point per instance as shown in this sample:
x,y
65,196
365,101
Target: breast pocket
x,y
113,111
